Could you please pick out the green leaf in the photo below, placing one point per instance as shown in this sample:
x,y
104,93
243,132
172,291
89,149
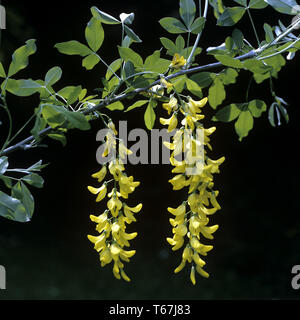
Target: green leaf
x,y
136,105
257,4
283,112
179,83
268,32
284,6
228,113
7,181
38,166
20,57
128,70
126,42
34,179
260,70
128,54
59,137
244,124
156,64
113,67
23,87
127,18
40,124
12,208
130,33
231,16
21,192
57,115
237,37
143,81
149,115
229,76
193,87
203,79
73,47
118,105
229,61
187,10
198,25
52,76
3,164
216,93
241,2
271,114
94,34
257,107
103,17
180,44
169,45
173,25
70,93
2,71
90,61
276,62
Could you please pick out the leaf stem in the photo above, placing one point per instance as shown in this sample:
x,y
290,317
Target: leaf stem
x,y
22,128
253,26
188,62
4,105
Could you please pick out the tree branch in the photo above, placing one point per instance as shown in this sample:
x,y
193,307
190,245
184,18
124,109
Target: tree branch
x,y
23,145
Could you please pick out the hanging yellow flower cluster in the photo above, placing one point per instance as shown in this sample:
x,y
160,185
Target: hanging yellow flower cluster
x,y
194,170
111,224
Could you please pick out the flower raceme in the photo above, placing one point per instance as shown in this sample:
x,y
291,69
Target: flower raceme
x,y
111,224
194,170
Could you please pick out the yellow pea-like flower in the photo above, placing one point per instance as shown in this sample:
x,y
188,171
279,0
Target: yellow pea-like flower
x,y
178,182
114,205
111,126
100,175
178,61
171,122
187,254
171,105
179,210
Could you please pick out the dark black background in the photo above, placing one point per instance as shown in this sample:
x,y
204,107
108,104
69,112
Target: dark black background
x,y
259,236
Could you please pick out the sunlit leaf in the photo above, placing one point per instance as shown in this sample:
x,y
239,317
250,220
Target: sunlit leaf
x,y
231,16
94,34
244,124
20,57
52,76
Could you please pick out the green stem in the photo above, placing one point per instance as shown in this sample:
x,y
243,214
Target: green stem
x,y
253,26
188,62
272,88
249,85
279,52
22,128
108,67
10,125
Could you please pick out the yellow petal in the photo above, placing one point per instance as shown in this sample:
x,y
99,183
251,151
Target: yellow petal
x,y
102,193
180,267
192,275
93,190
100,175
179,210
124,276
202,272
